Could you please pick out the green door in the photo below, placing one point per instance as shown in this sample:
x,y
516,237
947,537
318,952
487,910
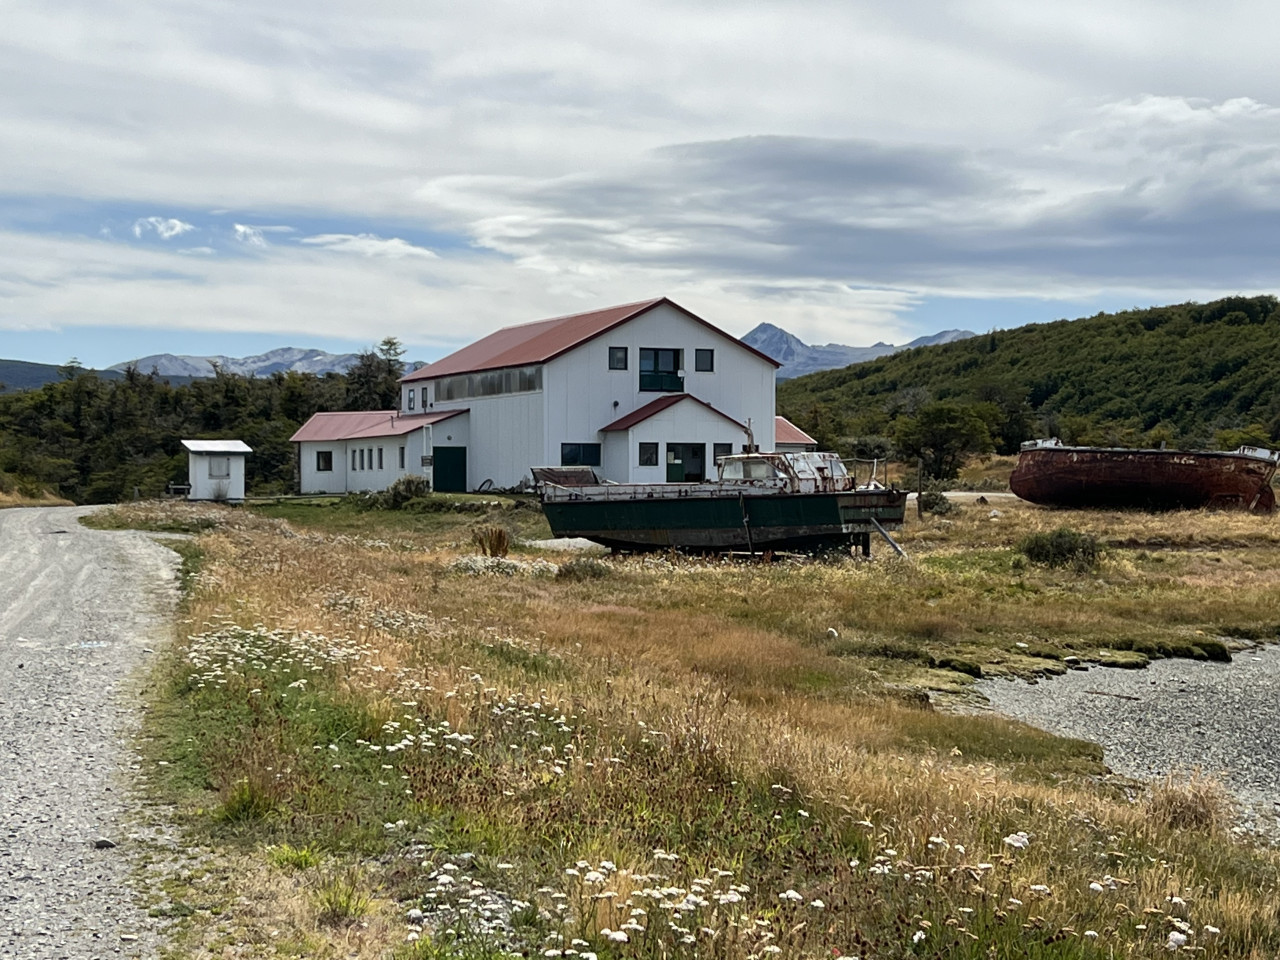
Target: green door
x,y
450,469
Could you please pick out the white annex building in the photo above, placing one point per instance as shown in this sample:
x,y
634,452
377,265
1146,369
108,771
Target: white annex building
x,y
215,469
645,392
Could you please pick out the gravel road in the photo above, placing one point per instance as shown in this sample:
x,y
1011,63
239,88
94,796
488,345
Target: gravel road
x,y
79,610
1176,715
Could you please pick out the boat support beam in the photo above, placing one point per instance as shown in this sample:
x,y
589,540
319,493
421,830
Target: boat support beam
x,y
889,540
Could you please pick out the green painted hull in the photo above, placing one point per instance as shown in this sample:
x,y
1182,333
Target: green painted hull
x,y
728,523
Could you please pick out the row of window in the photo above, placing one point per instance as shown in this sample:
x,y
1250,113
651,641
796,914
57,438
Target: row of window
x,y
588,454
663,360
491,383
361,459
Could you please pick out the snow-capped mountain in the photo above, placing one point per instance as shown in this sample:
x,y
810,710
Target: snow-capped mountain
x,y
798,358
264,364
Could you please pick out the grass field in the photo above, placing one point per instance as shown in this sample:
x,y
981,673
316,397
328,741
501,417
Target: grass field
x,y
396,747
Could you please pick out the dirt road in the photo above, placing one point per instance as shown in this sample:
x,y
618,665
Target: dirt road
x,y
79,611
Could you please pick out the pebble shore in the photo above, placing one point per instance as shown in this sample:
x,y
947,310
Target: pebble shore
x,y
1175,716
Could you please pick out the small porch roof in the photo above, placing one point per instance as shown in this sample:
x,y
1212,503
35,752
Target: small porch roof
x,y
642,414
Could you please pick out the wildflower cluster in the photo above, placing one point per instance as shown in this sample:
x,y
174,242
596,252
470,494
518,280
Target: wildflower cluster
x,y
481,566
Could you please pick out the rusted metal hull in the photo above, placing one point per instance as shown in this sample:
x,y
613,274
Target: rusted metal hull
x,y
1062,476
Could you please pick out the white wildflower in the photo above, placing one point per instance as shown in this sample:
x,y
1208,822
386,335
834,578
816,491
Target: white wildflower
x,y
1176,940
1018,841
917,936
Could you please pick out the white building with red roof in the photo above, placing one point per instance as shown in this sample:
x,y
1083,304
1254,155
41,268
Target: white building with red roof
x,y
644,392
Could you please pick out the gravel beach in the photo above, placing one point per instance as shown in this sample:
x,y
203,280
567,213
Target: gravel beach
x,y
79,611
1174,716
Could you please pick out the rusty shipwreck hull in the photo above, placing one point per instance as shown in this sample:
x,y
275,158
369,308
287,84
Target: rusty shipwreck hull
x,y
1055,475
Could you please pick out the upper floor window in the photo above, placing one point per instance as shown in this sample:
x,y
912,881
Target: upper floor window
x,y
488,384
617,358
661,369
704,361
412,397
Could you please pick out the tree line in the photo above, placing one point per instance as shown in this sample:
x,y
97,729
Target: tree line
x,y
1189,375
94,440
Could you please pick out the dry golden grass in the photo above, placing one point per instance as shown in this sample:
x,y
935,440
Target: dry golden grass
x,y
16,499
713,680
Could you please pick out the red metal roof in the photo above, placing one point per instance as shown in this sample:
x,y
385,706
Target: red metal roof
x,y
784,431
546,339
641,414
360,424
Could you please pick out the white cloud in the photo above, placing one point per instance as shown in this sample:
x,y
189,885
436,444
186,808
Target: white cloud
x,y
252,236
369,245
166,228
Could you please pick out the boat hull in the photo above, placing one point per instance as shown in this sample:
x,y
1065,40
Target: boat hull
x,y
1147,479
728,523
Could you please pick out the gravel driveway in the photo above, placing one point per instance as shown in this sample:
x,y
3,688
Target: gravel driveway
x,y
1176,715
79,610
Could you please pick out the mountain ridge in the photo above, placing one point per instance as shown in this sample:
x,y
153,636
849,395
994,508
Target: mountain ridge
x,y
279,360
799,358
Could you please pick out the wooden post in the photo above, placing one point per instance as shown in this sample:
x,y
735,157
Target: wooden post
x,y
919,487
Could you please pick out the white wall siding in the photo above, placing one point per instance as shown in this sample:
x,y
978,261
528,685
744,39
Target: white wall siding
x,y
581,389
343,479
502,434
685,422
205,487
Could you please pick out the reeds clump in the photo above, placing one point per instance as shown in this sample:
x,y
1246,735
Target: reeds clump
x,y
1198,802
491,541
1063,547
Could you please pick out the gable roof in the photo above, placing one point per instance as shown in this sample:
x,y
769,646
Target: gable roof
x,y
217,446
784,431
362,424
545,340
641,414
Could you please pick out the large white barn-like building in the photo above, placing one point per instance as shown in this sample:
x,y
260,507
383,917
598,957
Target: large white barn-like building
x,y
643,392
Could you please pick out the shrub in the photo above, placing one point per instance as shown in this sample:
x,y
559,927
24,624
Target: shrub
x,y
936,502
1198,803
584,568
342,898
294,858
1063,547
407,488
491,541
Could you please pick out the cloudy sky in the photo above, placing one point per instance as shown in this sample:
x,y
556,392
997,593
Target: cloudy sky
x,y
196,177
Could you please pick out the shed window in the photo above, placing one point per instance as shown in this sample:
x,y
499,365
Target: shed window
x,y
412,397
704,361
353,459
219,468
579,454
617,358
402,458
324,461
379,458
362,458
648,454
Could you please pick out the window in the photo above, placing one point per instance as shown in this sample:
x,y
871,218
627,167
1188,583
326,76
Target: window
x,y
721,450
402,458
412,397
617,358
370,461
488,384
353,459
660,369
324,461
219,468
362,458
379,458
648,454
704,361
579,454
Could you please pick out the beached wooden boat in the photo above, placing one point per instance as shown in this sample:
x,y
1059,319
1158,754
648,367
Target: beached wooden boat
x,y
760,502
1052,474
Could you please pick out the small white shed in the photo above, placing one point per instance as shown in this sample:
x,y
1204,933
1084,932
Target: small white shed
x,y
215,469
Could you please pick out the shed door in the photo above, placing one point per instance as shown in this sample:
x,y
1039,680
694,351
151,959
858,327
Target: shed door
x,y
450,469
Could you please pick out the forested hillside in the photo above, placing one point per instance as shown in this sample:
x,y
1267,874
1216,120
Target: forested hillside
x,y
94,440
1192,375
